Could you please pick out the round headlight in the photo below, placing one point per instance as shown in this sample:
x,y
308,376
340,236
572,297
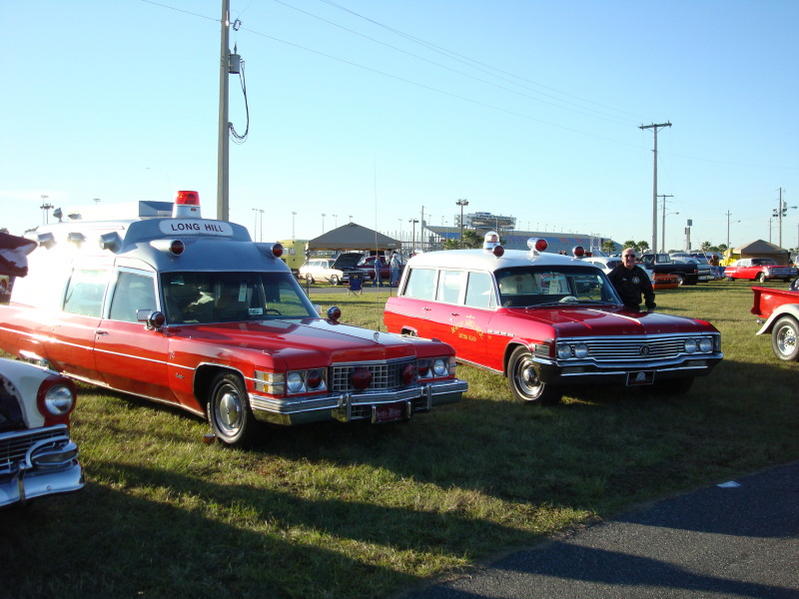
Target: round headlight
x,y
58,400
706,344
294,382
564,351
690,345
580,350
440,367
314,379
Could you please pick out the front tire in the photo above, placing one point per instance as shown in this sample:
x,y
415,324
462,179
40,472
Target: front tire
x,y
334,280
761,277
229,411
524,382
680,279
784,336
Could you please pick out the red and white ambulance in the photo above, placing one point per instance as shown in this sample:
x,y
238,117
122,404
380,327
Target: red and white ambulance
x,y
545,321
190,311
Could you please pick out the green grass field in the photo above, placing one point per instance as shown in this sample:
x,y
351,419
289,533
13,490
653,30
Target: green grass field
x,y
356,511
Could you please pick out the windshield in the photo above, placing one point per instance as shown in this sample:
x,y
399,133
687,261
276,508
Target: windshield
x,y
203,297
540,285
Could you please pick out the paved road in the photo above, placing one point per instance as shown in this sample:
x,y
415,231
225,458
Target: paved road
x,y
717,542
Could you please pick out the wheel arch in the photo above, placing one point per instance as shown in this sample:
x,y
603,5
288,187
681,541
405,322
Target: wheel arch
x,y
509,349
784,310
204,376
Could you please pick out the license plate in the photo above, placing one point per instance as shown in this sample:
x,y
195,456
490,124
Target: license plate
x,y
640,377
389,412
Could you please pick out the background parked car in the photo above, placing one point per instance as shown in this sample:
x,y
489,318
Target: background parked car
x,y
759,269
322,269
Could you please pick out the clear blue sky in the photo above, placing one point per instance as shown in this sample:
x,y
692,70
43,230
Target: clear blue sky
x,y
376,109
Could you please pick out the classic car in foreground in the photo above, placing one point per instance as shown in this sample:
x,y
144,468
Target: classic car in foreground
x,y
759,269
37,457
546,321
779,308
191,312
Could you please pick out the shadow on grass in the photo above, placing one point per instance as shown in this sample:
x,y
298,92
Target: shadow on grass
x,y
221,540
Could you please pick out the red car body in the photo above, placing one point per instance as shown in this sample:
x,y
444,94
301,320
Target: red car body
x,y
546,321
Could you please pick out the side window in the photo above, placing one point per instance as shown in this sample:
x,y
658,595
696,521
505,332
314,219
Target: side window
x,y
479,290
450,283
85,292
133,292
421,283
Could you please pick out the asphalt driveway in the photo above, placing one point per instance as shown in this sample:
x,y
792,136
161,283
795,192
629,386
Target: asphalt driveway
x,y
736,539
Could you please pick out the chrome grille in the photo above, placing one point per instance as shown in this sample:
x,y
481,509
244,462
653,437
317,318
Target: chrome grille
x,y
636,348
385,375
14,446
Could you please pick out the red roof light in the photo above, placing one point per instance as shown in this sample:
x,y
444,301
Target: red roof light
x,y
188,198
541,244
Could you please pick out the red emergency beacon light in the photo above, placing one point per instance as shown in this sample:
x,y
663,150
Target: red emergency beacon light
x,y
187,205
578,251
537,245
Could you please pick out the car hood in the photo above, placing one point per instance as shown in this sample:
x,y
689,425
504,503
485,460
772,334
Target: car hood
x,y
318,341
603,321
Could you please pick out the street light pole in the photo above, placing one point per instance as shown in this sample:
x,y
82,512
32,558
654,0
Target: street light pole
x,y
462,202
46,207
413,222
293,214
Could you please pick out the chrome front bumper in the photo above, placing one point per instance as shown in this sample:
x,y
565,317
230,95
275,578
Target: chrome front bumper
x,y
24,485
585,372
346,407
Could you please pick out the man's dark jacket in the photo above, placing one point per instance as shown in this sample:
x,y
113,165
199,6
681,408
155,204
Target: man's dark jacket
x,y
630,284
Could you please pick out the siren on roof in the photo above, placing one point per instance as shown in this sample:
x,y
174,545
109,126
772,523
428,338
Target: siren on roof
x,y
537,245
187,205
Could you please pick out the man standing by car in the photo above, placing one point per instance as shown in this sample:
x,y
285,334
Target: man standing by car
x,y
631,281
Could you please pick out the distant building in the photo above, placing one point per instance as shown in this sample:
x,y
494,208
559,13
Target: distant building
x,y
487,221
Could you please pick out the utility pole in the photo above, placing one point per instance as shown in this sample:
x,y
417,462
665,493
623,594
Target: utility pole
x,y
782,210
655,127
663,224
222,172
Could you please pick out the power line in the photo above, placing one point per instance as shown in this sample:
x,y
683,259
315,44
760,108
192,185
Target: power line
x,y
559,102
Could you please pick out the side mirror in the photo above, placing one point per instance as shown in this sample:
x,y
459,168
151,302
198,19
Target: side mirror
x,y
333,313
153,319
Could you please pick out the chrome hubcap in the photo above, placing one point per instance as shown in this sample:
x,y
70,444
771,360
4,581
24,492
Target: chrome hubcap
x,y
229,411
786,340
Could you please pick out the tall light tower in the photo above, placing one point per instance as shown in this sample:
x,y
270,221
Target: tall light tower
x,y
293,214
462,202
655,127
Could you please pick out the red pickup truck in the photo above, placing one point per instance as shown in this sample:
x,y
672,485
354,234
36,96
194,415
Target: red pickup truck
x,y
779,308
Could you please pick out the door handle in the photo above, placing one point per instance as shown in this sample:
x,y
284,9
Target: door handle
x,y
426,309
454,313
101,332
